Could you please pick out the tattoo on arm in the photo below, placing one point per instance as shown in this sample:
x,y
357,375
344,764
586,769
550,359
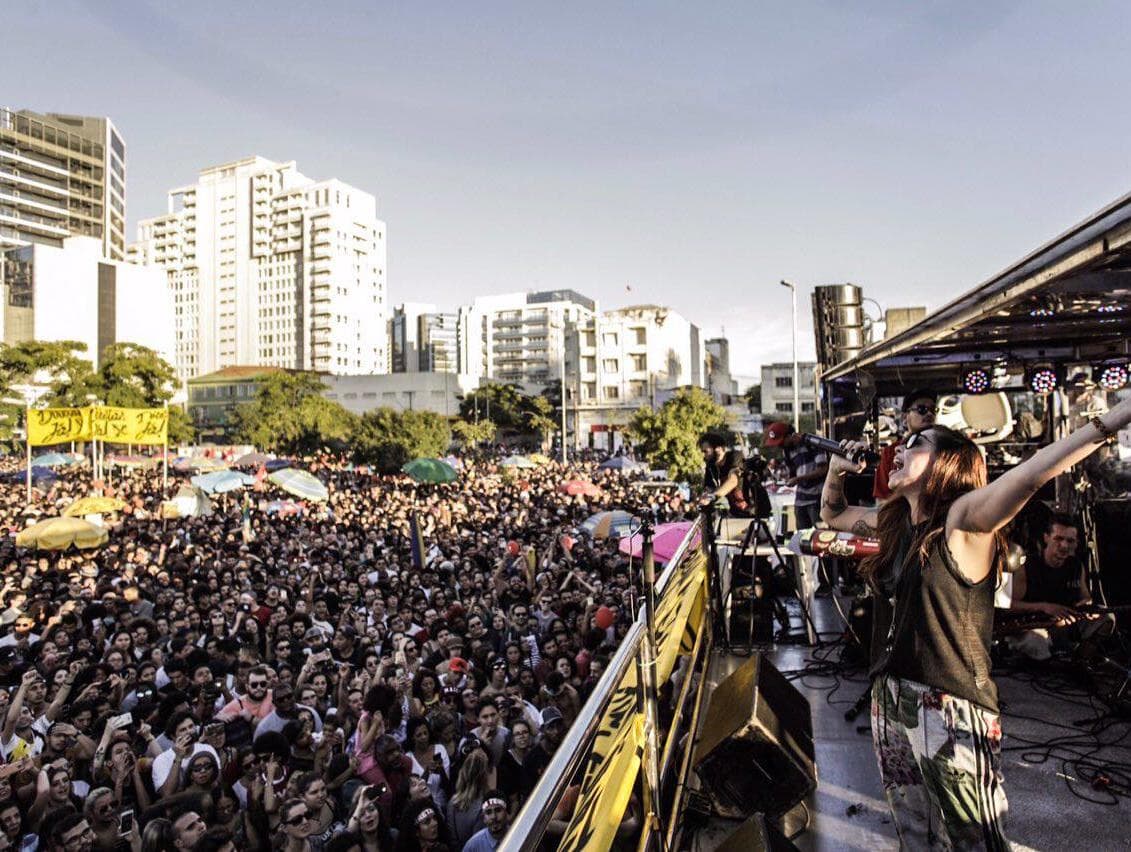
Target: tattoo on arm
x,y
836,504
864,529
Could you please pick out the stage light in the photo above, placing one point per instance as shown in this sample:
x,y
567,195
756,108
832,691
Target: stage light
x,y
1042,379
976,380
1112,375
1044,306
1109,309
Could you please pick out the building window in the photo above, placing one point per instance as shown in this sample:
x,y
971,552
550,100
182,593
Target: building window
x,y
640,336
783,381
612,392
640,363
785,408
590,338
637,389
806,408
609,338
589,364
611,365
589,390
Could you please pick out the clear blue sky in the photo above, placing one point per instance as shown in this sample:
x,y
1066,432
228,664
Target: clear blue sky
x,y
697,152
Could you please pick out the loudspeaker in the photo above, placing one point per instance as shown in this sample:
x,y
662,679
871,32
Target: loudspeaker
x,y
756,835
755,752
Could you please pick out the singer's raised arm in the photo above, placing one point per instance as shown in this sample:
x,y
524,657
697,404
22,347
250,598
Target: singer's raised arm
x,y
835,510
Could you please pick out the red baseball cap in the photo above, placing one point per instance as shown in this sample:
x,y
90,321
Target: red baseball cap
x,y
458,664
775,434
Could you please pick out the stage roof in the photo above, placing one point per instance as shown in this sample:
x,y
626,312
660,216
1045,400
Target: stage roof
x,y
1069,301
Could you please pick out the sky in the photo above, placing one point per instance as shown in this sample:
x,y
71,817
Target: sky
x,y
695,153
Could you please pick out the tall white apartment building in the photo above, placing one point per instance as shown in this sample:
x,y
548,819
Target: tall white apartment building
x,y
622,360
270,268
519,337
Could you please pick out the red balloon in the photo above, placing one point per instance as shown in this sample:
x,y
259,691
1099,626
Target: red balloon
x,y
603,617
512,548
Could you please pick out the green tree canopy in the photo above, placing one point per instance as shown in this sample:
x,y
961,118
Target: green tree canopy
x,y
503,404
386,438
60,366
133,376
669,438
472,434
290,416
753,397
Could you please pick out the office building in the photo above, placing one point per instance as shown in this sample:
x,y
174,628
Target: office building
x,y
270,268
60,176
423,340
437,391
777,389
72,292
519,337
623,360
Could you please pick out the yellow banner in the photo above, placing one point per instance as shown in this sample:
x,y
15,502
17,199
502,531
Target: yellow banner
x,y
131,425
614,761
57,425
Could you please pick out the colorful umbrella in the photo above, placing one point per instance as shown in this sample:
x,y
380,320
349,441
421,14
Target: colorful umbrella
x,y
53,460
283,508
300,483
540,459
579,486
621,463
221,481
613,524
430,470
201,464
61,533
517,461
93,506
665,541
273,465
251,460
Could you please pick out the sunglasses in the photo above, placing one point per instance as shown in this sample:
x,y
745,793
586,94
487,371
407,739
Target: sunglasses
x,y
916,439
924,410
298,819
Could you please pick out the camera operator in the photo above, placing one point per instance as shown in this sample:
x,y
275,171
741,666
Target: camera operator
x,y
722,475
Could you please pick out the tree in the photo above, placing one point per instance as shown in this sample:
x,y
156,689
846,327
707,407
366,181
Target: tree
x,y
290,416
387,439
133,376
61,367
540,417
502,404
753,396
473,434
669,438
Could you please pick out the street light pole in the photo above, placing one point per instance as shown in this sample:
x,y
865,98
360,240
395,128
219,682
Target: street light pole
x,y
796,370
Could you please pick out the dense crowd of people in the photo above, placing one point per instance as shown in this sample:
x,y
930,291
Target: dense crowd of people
x,y
305,682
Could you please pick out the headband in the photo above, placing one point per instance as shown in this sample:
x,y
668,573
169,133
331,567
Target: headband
x,y
494,803
425,815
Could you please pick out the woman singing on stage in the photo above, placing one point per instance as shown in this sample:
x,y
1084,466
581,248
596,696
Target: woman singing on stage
x,y
935,723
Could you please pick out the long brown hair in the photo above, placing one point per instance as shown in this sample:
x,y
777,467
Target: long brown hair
x,y
957,468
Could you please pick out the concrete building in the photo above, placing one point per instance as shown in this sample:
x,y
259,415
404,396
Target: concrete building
x,y
423,340
519,337
434,391
60,176
623,360
777,389
720,383
270,268
73,292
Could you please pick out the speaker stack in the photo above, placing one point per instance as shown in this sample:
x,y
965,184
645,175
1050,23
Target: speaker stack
x,y
838,322
755,752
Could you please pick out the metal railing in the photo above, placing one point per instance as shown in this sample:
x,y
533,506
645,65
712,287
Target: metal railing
x,y
525,834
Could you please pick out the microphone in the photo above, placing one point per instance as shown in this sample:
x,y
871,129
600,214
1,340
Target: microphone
x,y
828,445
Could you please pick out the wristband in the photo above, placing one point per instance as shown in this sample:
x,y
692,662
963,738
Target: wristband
x,y
1106,435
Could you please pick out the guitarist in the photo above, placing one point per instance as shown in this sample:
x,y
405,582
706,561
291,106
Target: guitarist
x,y
1052,581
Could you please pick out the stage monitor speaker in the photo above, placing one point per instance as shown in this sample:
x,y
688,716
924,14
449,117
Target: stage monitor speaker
x,y
757,834
755,753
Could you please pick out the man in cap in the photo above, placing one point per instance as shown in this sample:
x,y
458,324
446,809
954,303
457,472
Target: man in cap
x,y
919,412
807,468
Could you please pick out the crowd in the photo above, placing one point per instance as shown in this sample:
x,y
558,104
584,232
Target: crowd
x,y
309,682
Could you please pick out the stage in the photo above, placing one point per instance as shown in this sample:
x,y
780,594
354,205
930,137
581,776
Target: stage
x,y
848,811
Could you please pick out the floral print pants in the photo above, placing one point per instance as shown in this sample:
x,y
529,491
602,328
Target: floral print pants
x,y
940,761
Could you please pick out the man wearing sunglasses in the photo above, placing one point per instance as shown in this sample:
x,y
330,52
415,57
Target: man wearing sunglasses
x,y
920,408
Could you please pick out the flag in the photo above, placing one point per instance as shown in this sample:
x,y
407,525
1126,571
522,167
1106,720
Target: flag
x,y
417,543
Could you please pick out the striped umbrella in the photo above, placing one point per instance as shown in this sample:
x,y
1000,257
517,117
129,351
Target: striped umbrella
x,y
615,524
300,483
221,481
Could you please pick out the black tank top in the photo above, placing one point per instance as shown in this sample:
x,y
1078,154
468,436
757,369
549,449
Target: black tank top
x,y
939,631
1045,584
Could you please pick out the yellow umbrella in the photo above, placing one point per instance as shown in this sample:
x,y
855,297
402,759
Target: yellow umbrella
x,y
61,533
94,506
539,458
